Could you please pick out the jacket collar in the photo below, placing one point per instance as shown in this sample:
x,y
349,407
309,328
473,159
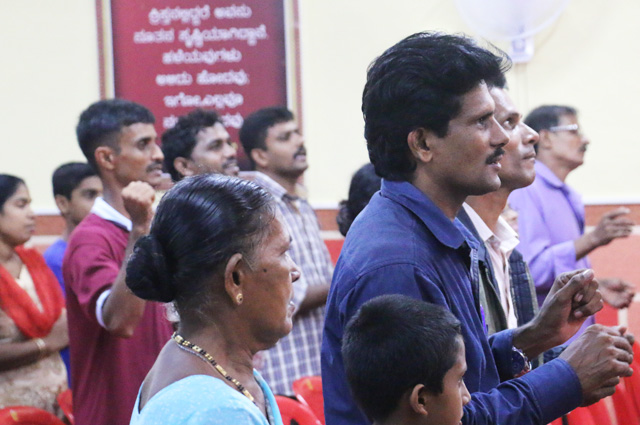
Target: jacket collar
x,y
449,233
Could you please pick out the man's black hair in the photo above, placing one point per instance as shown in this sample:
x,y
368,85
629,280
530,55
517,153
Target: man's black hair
x,y
180,140
547,116
255,127
101,122
67,177
394,343
419,83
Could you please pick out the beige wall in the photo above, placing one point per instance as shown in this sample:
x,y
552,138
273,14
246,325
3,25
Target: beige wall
x,y
587,59
338,40
50,74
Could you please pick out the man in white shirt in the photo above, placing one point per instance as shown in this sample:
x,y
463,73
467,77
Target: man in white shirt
x,y
499,241
512,301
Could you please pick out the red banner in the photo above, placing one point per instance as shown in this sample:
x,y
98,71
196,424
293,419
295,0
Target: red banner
x,y
175,55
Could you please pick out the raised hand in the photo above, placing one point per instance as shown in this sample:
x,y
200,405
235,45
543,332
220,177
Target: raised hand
x,y
138,200
600,356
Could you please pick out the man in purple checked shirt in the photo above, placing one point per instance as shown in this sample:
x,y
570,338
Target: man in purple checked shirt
x,y
551,219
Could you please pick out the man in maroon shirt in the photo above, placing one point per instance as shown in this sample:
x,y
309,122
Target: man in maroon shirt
x,y
114,336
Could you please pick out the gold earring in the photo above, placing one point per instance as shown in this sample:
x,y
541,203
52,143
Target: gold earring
x,y
239,298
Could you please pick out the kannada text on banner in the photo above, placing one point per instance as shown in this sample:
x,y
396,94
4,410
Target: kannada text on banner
x,y
176,55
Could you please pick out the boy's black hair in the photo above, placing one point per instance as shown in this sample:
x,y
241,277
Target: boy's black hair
x,y
68,176
394,343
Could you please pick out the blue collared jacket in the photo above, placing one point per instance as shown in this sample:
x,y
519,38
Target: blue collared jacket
x,y
403,244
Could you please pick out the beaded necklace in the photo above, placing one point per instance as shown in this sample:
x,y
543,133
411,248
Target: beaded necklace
x,y
200,352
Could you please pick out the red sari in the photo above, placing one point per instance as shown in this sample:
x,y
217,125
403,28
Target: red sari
x,y
17,304
21,319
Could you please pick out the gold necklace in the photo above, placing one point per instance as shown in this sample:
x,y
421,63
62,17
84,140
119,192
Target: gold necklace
x,y
200,352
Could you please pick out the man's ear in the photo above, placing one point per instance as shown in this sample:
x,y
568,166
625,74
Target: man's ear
x,y
183,166
105,157
544,142
420,142
419,399
234,276
63,204
260,157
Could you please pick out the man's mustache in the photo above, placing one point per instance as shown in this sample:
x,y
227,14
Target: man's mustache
x,y
495,155
155,166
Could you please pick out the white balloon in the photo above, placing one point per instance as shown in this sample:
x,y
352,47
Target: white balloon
x,y
509,19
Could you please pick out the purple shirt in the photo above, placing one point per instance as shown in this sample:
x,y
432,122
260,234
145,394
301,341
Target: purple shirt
x,y
550,219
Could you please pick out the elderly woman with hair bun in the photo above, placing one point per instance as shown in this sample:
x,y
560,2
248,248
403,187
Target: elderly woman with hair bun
x,y
219,252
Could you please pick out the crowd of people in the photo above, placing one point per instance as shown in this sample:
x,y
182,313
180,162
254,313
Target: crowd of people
x,y
197,310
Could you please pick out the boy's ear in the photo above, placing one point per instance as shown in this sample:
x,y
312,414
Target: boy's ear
x,y
63,204
418,400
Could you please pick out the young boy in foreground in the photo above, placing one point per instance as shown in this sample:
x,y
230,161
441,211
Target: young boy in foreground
x,y
405,362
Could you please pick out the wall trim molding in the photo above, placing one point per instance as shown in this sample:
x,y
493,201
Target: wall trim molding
x,y
611,200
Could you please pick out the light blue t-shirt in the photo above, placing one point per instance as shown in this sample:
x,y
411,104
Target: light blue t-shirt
x,y
204,400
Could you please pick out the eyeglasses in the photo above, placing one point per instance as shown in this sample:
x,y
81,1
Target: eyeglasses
x,y
572,128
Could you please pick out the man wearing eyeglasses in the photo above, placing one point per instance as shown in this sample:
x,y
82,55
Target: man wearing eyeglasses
x,y
199,144
551,218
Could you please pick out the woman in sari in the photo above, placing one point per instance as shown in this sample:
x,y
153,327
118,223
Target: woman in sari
x,y
33,322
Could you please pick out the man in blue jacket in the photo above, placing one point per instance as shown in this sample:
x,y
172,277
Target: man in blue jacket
x,y
432,136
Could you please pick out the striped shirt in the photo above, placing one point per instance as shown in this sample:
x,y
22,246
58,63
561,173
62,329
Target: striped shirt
x,y
298,354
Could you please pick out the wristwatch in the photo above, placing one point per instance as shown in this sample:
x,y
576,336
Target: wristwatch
x,y
520,364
